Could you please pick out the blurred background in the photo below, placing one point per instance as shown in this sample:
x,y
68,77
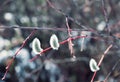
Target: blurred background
x,y
19,17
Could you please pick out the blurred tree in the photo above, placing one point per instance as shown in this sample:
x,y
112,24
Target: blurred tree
x,y
50,19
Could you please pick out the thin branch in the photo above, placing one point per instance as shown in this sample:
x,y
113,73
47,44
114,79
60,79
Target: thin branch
x,y
70,18
2,7
101,59
68,27
13,58
70,43
105,15
34,71
104,54
61,43
113,68
42,28
105,11
108,29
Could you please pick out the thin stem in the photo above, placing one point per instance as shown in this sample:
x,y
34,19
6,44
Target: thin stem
x,y
42,28
61,43
113,68
40,54
101,59
105,11
13,58
93,76
68,27
70,18
69,40
105,15
104,54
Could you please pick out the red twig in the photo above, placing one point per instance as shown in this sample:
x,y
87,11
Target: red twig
x,y
63,42
13,58
70,43
104,54
101,59
108,29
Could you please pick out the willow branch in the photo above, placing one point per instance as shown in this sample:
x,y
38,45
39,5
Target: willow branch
x,y
13,58
61,43
113,68
101,59
70,18
105,15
